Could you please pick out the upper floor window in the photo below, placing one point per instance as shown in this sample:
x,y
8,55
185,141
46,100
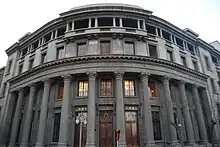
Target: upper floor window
x,y
129,88
47,37
81,48
152,88
153,50
105,47
105,21
128,22
207,62
151,29
214,60
60,52
35,45
156,125
60,91
117,22
179,42
20,68
9,67
158,32
166,35
190,48
169,55
92,22
106,87
129,48
195,65
43,58
213,85
83,88
80,24
31,62
61,31
24,52
183,61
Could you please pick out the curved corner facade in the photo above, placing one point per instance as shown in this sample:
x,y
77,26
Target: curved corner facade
x,y
106,67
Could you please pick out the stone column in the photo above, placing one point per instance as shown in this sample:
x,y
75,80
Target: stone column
x,y
43,114
90,22
120,21
199,115
144,25
16,119
120,114
169,106
114,23
64,121
73,25
96,22
186,114
28,117
148,124
90,140
56,33
138,24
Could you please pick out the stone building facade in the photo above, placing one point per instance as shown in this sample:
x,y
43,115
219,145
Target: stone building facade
x,y
106,67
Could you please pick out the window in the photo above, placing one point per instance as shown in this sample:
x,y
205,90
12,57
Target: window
x,y
56,127
179,42
173,39
129,48
105,21
35,45
183,61
158,32
47,37
82,88
81,49
9,67
151,29
20,68
129,88
70,26
141,24
213,85
166,35
61,31
43,58
207,62
106,87
153,51
152,88
104,47
80,24
117,22
195,65
92,22
31,62
214,60
156,125
60,52
24,52
169,55
60,91
128,22
190,48
3,88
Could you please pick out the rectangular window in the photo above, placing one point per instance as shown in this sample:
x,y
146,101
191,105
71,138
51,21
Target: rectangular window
x,y
169,55
128,22
117,22
70,25
43,58
60,52
151,29
106,87
207,63
214,60
213,85
56,127
61,31
20,68
129,48
158,32
47,37
183,61
166,35
129,88
80,24
81,48
35,45
105,47
24,52
153,51
105,21
83,88
179,42
92,22
190,48
195,65
152,88
31,62
60,91
156,125
9,67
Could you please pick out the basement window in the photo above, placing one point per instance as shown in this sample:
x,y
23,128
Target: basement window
x,y
80,24
105,21
35,45
128,22
151,29
47,37
61,31
166,35
179,42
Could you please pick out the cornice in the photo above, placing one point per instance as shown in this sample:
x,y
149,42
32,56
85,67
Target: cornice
x,y
12,48
147,60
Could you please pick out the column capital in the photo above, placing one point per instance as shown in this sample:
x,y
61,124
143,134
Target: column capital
x,y
144,75
47,81
67,77
166,78
92,74
182,82
195,86
32,86
119,74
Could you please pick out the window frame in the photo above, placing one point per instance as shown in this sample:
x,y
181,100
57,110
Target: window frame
x,y
77,49
32,63
134,46
148,49
77,88
207,62
52,136
9,66
19,67
172,56
183,56
157,109
195,62
135,87
106,78
45,56
156,89
110,46
58,49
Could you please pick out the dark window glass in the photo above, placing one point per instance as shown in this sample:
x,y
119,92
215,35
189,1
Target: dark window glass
x,y
153,50
60,52
70,25
56,127
105,21
106,129
24,51
141,24
183,61
43,58
31,62
47,37
127,22
156,125
166,35
104,47
213,85
207,62
152,87
82,88
20,68
179,42
129,48
117,21
151,29
106,87
131,127
190,48
60,91
158,31
81,49
195,65
214,59
169,55
61,31
35,45
129,88
92,22
80,24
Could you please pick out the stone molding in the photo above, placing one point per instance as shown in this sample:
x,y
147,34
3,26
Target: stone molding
x,y
119,74
92,75
144,76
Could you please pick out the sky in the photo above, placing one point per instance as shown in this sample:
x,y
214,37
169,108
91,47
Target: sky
x,y
19,17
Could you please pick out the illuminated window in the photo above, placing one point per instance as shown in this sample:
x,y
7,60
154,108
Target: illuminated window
x,y
60,92
129,87
106,87
82,88
152,88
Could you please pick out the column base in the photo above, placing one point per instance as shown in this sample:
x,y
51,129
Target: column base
x,y
175,144
39,145
90,145
24,145
12,145
62,145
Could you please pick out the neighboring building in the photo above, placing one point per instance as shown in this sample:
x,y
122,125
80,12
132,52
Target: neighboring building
x,y
106,67
1,76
